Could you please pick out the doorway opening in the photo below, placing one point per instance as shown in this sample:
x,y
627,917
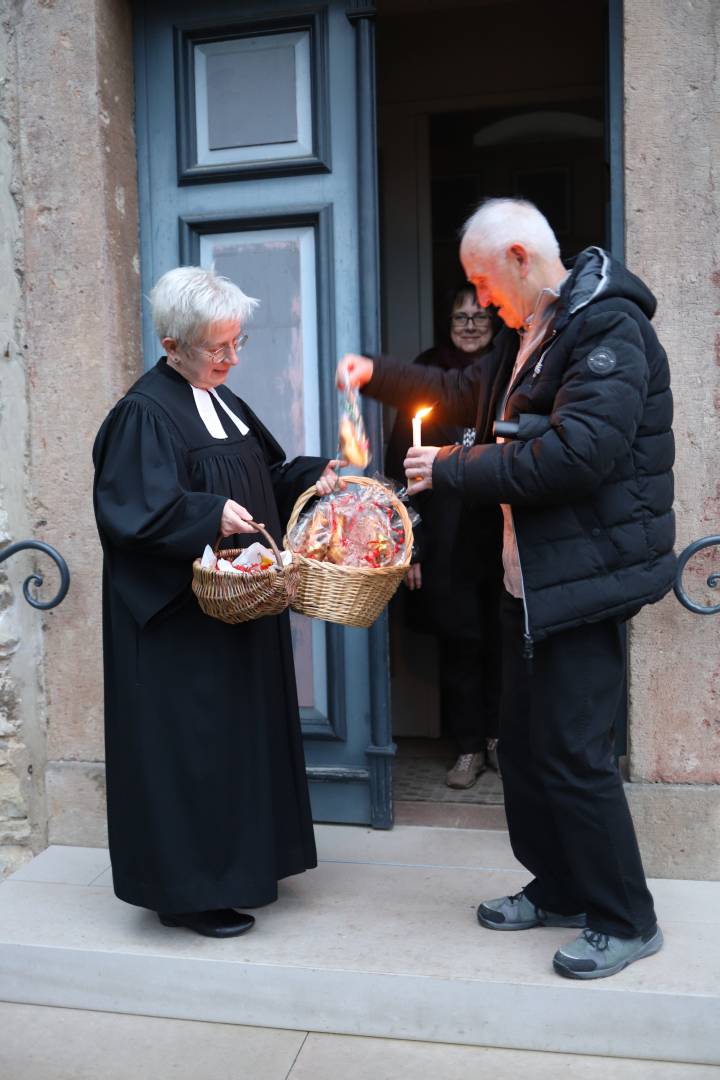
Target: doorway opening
x,y
474,99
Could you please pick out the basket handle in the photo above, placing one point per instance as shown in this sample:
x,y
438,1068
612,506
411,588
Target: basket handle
x,y
261,529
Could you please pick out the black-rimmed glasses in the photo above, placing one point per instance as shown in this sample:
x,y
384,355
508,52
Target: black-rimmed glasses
x,y
461,318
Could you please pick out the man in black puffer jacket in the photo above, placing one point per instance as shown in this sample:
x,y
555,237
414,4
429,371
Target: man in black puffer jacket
x,y
582,469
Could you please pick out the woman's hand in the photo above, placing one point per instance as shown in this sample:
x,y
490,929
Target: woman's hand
x,y
418,466
353,370
330,479
235,519
413,578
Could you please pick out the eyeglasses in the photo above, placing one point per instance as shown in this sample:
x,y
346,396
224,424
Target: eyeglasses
x,y
461,318
221,353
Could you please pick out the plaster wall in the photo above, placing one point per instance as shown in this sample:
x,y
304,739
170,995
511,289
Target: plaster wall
x,y
82,298
672,180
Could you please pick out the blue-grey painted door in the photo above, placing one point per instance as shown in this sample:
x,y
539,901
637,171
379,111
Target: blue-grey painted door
x,y
256,153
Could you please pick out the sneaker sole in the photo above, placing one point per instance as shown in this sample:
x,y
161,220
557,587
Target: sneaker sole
x,y
572,922
653,946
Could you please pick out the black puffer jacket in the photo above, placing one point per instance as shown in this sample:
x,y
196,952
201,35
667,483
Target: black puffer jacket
x,y
589,476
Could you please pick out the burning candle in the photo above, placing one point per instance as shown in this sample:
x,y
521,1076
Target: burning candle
x,y
417,425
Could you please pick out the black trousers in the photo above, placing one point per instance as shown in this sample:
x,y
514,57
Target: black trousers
x,y
567,814
470,678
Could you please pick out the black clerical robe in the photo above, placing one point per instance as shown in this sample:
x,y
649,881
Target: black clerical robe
x,y
207,797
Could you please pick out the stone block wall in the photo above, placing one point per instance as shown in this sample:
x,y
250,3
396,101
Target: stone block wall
x,y
22,744
672,85
70,347
672,187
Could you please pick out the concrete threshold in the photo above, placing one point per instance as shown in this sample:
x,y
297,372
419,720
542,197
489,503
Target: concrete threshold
x,y
380,940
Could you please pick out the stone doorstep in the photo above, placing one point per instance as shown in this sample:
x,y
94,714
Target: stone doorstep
x,y
380,940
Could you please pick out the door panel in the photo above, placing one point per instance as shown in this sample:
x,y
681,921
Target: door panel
x,y
243,164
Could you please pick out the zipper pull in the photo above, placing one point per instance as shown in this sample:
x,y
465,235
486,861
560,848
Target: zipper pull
x,y
528,650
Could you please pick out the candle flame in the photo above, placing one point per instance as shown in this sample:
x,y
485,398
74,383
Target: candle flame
x,y
423,412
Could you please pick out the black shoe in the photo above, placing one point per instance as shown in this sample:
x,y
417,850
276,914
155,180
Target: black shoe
x,y
220,924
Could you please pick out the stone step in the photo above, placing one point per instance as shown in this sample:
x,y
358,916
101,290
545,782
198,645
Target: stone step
x,y
380,940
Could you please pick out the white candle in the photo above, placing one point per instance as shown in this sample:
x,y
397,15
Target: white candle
x,y
417,430
417,425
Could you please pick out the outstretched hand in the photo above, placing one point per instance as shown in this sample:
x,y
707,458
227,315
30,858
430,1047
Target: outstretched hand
x,y
419,466
353,370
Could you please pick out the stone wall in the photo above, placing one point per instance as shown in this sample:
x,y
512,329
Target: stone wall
x,y
672,91
80,350
22,751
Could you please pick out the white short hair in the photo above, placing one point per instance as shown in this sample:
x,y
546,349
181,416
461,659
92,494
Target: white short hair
x,y
497,224
189,299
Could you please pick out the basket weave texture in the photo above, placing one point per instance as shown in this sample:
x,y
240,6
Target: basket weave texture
x,y
238,598
350,595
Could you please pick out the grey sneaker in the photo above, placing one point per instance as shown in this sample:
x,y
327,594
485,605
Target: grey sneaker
x,y
492,755
466,770
594,956
518,913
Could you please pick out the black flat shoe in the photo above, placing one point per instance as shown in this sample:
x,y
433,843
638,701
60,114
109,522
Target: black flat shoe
x,y
219,924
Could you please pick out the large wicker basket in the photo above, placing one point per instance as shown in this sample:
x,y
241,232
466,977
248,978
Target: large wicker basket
x,y
238,598
350,595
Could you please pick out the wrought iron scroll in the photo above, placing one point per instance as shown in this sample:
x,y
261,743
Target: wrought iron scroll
x,y
713,580
35,579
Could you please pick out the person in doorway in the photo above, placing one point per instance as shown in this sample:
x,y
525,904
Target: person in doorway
x,y
582,387
207,798
456,584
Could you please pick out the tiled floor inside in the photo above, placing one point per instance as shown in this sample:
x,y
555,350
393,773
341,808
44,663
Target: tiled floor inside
x,y
419,773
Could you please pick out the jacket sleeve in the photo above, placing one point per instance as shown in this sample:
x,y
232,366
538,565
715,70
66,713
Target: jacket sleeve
x,y
410,387
593,422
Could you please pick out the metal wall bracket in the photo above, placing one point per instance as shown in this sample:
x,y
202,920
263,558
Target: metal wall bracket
x,y
36,579
713,580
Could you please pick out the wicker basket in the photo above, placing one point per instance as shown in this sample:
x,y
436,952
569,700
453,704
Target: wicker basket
x,y
351,595
237,598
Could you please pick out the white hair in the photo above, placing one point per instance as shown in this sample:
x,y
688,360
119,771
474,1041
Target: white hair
x,y
189,299
497,224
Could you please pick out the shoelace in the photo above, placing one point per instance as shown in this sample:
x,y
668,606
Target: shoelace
x,y
464,761
596,939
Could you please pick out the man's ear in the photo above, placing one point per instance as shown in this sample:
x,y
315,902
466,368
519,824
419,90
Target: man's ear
x,y
169,345
518,254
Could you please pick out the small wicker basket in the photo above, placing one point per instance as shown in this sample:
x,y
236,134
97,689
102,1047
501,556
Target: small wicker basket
x,y
237,598
350,595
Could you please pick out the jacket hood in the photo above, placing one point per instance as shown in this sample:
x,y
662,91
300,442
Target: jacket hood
x,y
595,275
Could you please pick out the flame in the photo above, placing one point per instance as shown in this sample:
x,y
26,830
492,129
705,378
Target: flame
x,y
423,412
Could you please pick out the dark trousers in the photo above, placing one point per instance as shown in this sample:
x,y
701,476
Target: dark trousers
x,y
470,670
469,691
567,814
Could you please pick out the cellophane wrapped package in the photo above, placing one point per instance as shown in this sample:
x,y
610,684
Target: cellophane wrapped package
x,y
353,445
359,527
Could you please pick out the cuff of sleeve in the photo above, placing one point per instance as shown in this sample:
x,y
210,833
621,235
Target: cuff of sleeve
x,y
447,468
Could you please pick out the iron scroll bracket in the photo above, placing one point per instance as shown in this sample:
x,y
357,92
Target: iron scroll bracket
x,y
35,579
713,580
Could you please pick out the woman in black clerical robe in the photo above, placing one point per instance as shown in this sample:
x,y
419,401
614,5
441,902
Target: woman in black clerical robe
x,y
207,797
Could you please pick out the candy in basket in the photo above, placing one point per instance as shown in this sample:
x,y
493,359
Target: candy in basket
x,y
353,549
240,585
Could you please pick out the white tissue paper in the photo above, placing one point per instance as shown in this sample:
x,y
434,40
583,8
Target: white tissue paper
x,y
208,560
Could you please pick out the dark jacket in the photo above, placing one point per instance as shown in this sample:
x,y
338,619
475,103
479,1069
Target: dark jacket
x,y
459,542
589,477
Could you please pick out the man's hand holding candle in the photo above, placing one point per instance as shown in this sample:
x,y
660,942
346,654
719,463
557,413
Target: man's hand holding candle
x,y
418,467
